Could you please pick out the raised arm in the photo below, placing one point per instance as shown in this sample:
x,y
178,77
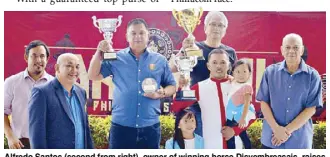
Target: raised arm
x,y
94,71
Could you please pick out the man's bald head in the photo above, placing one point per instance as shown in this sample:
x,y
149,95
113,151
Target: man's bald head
x,y
292,48
66,56
67,68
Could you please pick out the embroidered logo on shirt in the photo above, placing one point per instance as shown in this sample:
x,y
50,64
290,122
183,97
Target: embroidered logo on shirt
x,y
152,66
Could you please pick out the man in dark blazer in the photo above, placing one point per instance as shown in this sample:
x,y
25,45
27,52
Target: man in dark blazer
x,y
57,116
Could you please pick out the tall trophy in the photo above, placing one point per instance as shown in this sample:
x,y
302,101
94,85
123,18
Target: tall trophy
x,y
108,26
188,19
185,65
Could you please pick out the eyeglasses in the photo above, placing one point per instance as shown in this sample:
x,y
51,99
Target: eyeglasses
x,y
294,48
214,25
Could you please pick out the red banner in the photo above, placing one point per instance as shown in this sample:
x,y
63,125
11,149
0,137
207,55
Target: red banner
x,y
254,35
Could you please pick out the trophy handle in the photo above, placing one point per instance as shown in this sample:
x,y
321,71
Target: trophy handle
x,y
195,62
95,23
176,16
200,14
119,22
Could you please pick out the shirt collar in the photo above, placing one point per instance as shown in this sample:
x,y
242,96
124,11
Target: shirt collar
x,y
302,66
73,90
144,54
219,80
44,75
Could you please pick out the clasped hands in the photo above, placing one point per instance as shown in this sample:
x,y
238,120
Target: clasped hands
x,y
280,135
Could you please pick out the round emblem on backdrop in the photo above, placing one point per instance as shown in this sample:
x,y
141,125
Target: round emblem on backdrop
x,y
160,42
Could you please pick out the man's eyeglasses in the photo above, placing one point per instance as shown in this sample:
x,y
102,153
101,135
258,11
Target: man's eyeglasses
x,y
214,25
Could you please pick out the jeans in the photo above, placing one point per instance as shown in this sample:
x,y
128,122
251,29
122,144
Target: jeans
x,y
122,137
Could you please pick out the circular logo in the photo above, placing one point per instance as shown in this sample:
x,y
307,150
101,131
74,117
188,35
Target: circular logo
x,y
160,42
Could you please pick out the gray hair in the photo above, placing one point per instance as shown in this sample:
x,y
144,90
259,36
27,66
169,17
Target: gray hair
x,y
293,35
213,13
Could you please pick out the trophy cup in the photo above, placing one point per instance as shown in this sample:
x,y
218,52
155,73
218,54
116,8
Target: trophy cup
x,y
189,19
185,65
108,26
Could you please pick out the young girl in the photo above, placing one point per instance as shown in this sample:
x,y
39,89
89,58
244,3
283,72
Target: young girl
x,y
184,137
239,110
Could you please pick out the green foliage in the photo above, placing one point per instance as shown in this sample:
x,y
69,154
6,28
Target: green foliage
x,y
254,132
319,140
5,143
167,128
100,132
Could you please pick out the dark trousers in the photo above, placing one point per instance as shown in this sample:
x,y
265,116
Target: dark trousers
x,y
243,135
265,147
122,137
26,143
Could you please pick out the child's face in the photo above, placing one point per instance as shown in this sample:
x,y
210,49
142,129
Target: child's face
x,y
187,124
241,73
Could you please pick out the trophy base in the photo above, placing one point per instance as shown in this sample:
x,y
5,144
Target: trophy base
x,y
109,56
198,53
185,95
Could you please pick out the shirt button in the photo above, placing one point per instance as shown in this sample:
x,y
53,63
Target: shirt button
x,y
139,104
139,92
287,110
136,125
289,86
139,81
139,70
138,116
288,98
291,75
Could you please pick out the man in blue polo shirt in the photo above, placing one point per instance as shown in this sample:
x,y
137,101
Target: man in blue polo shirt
x,y
215,26
135,114
290,92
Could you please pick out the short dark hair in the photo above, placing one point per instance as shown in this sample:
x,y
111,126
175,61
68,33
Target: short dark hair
x,y
241,62
136,22
36,43
217,51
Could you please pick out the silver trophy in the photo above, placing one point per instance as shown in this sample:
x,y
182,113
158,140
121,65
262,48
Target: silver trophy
x,y
108,26
185,65
149,85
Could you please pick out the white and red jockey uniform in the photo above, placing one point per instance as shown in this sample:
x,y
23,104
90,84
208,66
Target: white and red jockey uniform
x,y
212,96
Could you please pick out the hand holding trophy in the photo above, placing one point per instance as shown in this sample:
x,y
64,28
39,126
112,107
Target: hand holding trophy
x,y
108,26
188,19
149,86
